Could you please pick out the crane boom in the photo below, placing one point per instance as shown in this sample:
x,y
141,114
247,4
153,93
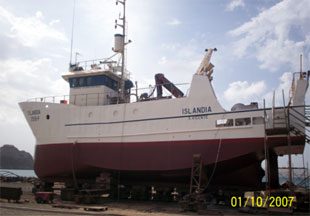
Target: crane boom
x,y
161,80
206,67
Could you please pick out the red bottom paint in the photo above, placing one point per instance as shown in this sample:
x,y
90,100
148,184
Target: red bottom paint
x,y
231,162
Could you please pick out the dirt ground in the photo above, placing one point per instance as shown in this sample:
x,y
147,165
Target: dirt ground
x,y
28,206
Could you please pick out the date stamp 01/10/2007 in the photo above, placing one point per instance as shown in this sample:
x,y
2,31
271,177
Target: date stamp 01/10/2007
x,y
269,201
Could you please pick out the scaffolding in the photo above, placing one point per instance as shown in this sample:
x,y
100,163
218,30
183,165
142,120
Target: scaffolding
x,y
196,174
287,121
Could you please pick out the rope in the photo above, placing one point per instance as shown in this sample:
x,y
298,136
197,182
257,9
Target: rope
x,y
215,164
217,156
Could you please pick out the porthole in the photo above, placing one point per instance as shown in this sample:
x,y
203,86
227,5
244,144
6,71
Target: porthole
x,y
47,117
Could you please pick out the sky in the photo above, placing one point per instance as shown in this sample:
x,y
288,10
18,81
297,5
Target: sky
x,y
259,43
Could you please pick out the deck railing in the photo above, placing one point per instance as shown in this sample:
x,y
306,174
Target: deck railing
x,y
99,98
106,64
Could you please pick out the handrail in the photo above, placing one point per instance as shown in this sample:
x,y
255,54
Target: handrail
x,y
300,120
304,116
303,181
95,62
88,97
301,126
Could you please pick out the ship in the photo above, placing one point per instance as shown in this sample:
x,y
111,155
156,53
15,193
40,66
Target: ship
x,y
104,126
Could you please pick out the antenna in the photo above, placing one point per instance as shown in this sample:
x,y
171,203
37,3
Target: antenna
x,y
300,76
73,16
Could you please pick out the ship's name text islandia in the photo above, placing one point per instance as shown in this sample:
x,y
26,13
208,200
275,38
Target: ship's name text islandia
x,y
34,114
197,110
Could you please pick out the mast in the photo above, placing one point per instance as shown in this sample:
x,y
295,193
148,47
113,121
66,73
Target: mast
x,y
122,51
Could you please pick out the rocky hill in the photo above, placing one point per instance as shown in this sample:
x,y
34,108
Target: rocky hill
x,y
12,158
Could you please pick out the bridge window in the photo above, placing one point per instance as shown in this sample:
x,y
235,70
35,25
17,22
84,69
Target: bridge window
x,y
81,81
74,82
95,80
114,84
258,120
89,81
224,123
242,121
110,83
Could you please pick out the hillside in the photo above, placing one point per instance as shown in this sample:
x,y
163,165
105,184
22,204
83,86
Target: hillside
x,y
12,158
